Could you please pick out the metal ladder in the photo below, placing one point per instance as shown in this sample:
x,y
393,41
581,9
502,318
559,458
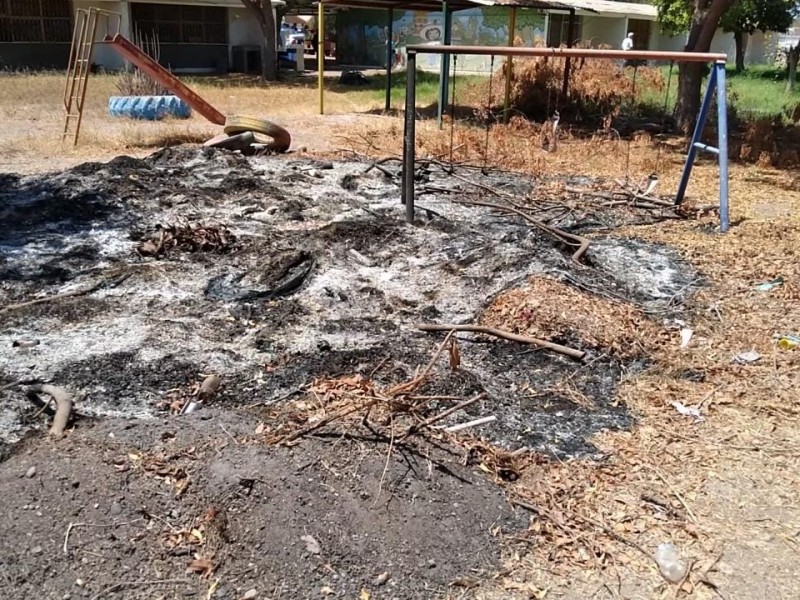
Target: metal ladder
x,y
79,66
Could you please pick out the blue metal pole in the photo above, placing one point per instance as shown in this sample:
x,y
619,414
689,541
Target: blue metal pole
x,y
444,68
722,145
698,132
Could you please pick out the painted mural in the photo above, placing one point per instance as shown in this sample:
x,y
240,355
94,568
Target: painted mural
x,y
362,34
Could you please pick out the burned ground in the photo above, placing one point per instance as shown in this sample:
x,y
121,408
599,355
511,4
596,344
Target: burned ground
x,y
322,279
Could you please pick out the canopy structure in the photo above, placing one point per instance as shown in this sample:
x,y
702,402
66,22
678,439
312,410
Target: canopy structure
x,y
446,7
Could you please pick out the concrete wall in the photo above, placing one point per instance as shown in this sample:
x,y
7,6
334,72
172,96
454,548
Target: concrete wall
x,y
104,55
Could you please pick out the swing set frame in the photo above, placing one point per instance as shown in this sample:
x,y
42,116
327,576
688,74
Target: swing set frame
x,y
716,83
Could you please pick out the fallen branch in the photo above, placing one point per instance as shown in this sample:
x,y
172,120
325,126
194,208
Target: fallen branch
x,y
443,415
83,292
63,405
410,386
523,339
470,424
334,416
567,238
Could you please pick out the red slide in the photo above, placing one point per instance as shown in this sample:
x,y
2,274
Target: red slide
x,y
144,63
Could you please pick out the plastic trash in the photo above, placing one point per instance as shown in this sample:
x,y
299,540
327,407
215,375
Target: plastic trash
x,y
770,285
788,341
686,337
745,358
672,568
689,411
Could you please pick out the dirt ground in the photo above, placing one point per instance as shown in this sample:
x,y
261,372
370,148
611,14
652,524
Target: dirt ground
x,y
139,502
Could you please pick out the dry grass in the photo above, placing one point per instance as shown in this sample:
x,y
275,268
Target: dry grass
x,y
724,491
33,115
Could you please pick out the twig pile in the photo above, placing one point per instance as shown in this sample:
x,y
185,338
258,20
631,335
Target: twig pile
x,y
187,238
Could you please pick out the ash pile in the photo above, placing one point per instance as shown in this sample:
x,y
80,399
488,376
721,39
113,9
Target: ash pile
x,y
130,281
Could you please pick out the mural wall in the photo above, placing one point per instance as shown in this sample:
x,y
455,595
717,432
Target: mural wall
x,y
361,35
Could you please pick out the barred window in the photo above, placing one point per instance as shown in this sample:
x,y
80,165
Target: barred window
x,y
35,21
176,24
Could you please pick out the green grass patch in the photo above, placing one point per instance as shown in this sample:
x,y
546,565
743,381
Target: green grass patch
x,y
758,92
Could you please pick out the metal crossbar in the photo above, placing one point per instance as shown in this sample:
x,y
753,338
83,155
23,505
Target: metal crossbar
x,y
716,84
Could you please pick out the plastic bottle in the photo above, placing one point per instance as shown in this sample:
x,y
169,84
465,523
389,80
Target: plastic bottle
x,y
669,563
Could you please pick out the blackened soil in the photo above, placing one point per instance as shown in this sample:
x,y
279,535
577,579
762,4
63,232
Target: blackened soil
x,y
424,523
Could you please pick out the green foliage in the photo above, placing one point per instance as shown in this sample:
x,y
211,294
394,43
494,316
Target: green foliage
x,y
744,16
747,16
675,15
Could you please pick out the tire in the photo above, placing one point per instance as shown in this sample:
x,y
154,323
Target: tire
x,y
239,141
281,140
148,108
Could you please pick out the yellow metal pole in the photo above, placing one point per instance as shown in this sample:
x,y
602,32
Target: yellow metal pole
x,y
512,26
321,58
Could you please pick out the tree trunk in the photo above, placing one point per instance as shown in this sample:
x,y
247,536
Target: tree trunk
x,y
262,11
738,38
792,57
705,20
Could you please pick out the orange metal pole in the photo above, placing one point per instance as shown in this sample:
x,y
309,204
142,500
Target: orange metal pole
x,y
147,65
703,57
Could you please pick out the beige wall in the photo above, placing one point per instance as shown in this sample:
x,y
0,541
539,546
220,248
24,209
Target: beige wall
x,y
102,54
604,31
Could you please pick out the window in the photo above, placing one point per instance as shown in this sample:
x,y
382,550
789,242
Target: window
x,y
176,24
37,21
558,30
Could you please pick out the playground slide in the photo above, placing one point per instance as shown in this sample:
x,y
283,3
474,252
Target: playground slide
x,y
144,63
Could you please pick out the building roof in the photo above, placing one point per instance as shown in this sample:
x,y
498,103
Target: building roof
x,y
608,8
436,5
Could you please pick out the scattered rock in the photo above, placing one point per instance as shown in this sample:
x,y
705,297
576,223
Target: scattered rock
x,y
30,473
326,591
36,550
250,594
312,545
115,510
382,578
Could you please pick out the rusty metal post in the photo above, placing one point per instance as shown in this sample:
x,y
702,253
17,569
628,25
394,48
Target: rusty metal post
x,y
409,136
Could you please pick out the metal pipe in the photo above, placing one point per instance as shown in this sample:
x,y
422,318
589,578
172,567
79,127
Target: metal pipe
x,y
389,60
699,57
409,136
568,62
444,67
722,137
698,132
512,28
321,56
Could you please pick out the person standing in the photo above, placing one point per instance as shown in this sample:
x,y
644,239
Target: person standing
x,y
627,43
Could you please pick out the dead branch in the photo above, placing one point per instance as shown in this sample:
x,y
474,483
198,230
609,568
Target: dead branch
x,y
334,416
63,405
443,415
410,386
523,339
88,290
470,424
561,235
